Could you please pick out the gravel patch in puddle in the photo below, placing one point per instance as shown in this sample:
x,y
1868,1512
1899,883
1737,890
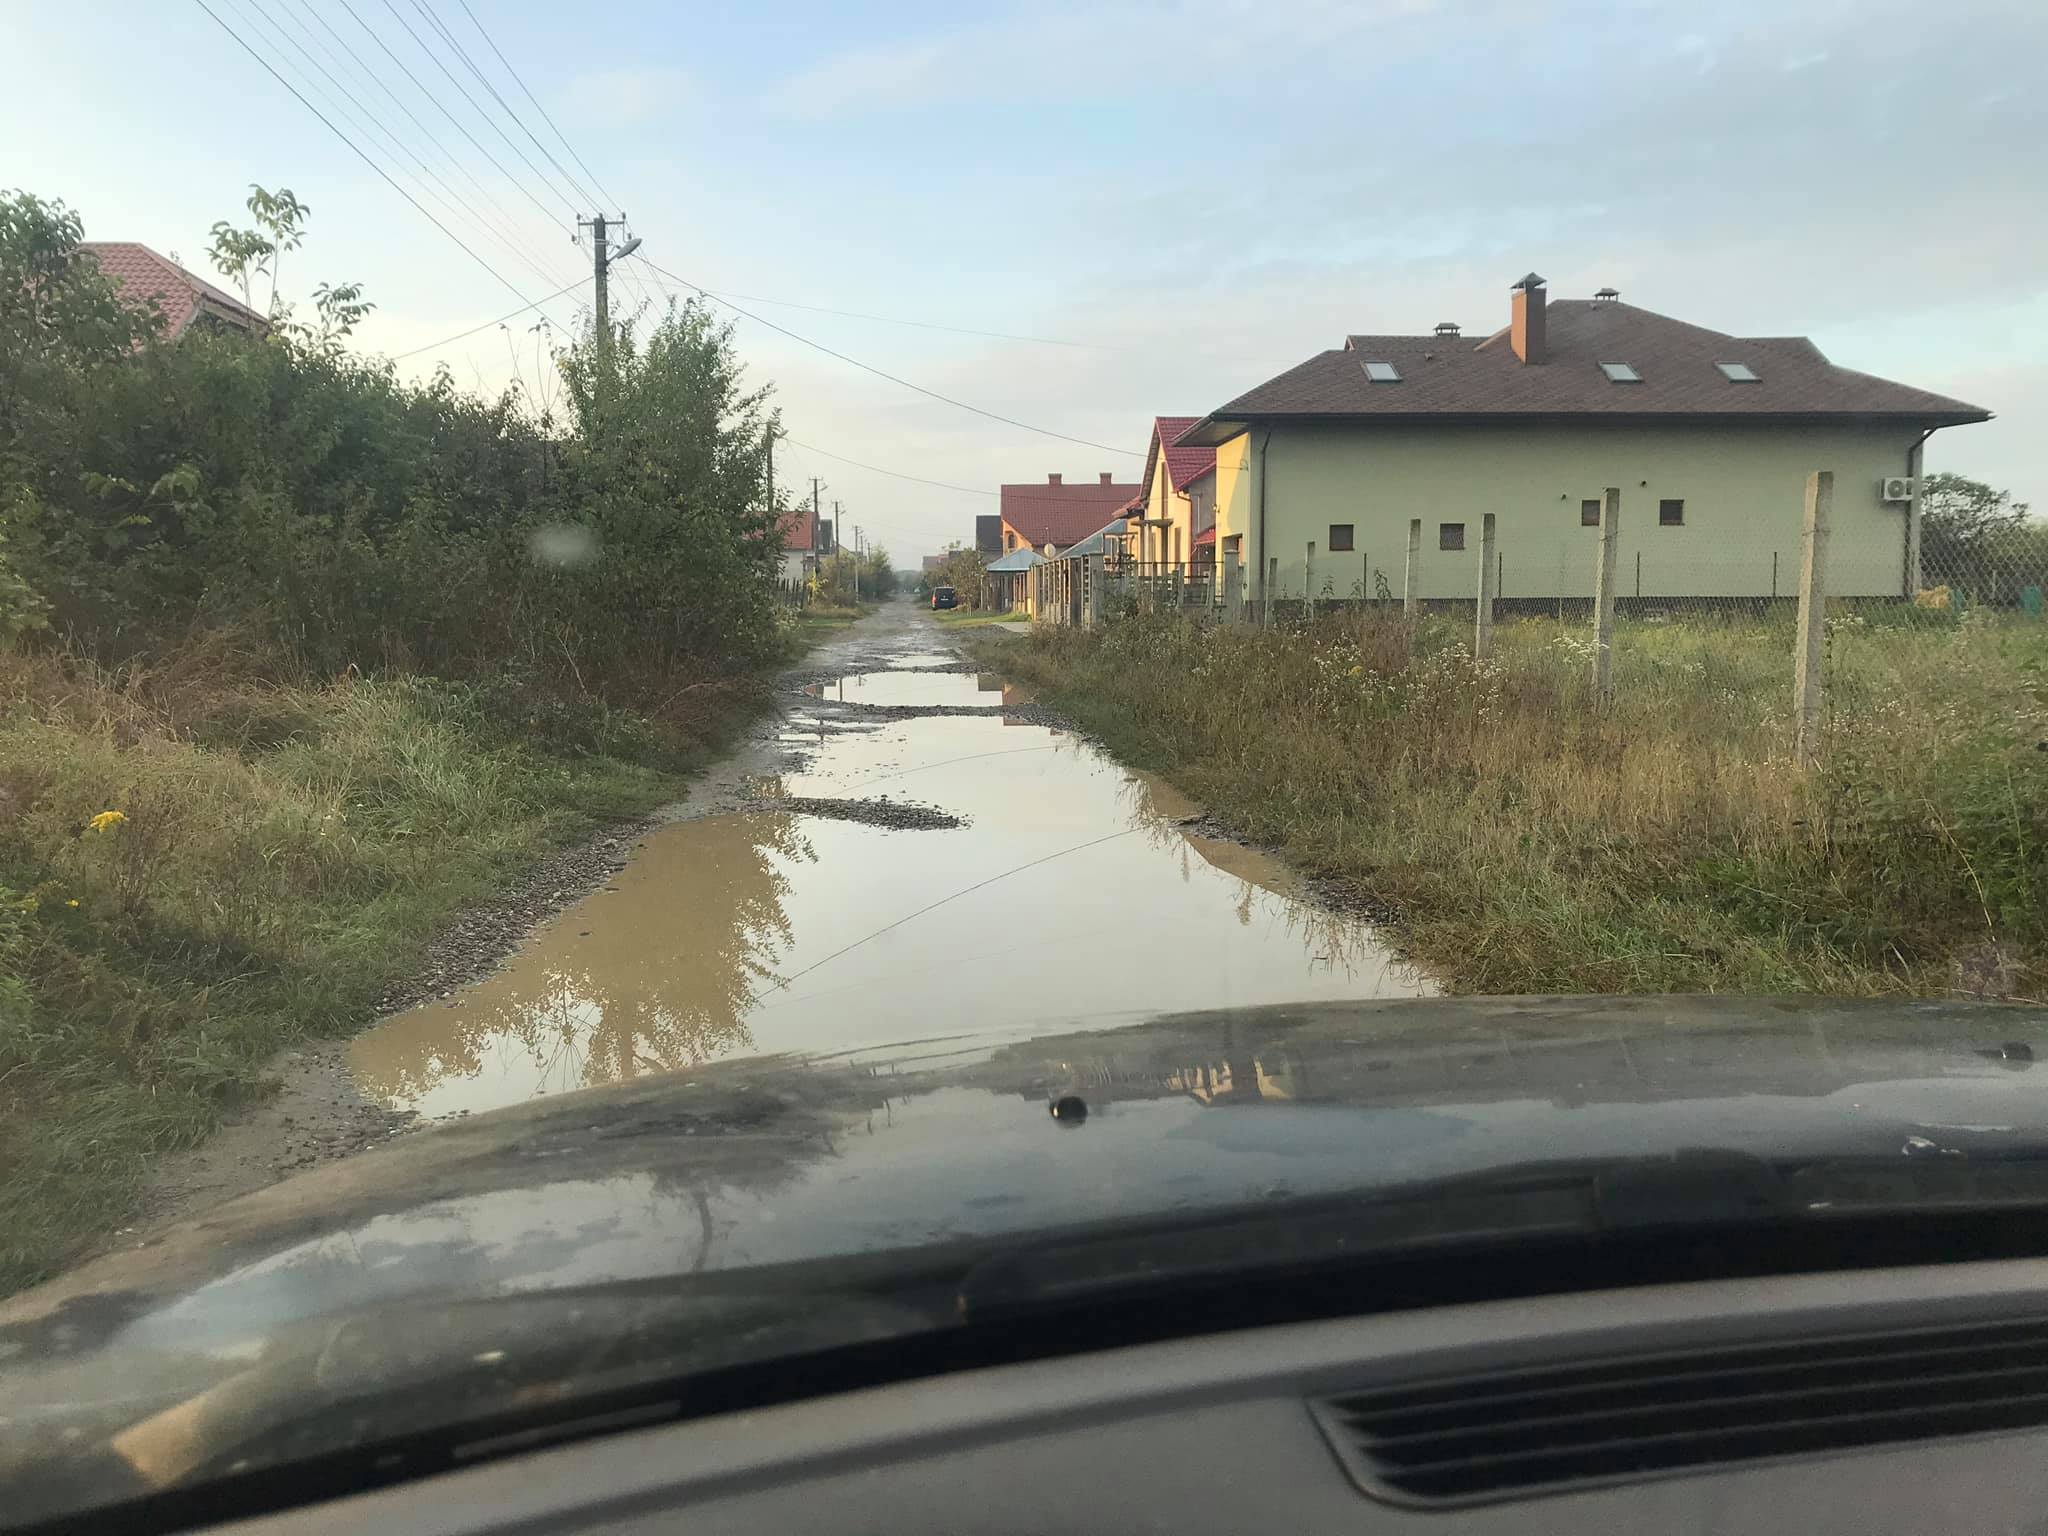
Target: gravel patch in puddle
x,y
898,815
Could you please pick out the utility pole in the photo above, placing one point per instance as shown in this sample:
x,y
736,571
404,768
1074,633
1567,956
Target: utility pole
x,y
601,258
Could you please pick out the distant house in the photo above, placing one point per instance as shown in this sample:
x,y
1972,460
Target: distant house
x,y
1177,502
1051,516
1708,436
187,302
799,545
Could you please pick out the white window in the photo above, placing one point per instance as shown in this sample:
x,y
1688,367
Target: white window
x,y
1620,373
1738,373
1383,373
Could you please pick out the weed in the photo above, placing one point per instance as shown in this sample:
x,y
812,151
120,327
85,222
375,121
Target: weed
x,y
1534,843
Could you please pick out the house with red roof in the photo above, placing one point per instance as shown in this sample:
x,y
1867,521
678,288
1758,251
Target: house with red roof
x,y
1708,437
187,302
800,549
1052,516
1174,519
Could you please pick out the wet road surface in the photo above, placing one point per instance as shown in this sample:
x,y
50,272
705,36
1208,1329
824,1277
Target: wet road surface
x,y
918,854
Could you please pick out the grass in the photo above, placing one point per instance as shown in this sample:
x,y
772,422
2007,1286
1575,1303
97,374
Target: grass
x,y
278,857
1527,841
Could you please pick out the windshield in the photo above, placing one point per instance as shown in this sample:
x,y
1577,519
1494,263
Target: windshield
x,y
1071,685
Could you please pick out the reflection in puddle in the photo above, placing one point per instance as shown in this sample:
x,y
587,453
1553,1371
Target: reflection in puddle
x,y
1073,896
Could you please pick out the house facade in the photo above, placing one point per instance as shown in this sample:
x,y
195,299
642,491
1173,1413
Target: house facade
x,y
1709,437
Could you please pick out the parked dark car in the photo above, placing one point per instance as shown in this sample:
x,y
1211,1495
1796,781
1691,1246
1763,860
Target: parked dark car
x,y
942,597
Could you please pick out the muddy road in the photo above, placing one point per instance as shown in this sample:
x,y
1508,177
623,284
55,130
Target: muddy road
x,y
905,850
912,851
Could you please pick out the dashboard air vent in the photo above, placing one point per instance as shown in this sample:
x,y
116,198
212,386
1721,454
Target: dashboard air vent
x,y
1496,1435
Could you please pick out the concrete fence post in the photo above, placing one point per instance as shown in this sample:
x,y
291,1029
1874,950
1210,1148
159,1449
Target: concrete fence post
x,y
1409,599
1094,590
1233,591
1489,581
1308,580
1813,600
1603,595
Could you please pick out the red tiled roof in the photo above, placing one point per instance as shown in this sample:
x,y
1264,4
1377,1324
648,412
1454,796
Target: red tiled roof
x,y
181,296
800,529
1062,514
1206,536
1450,377
1184,466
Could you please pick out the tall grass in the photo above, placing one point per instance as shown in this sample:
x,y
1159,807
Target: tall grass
x,y
1531,842
280,855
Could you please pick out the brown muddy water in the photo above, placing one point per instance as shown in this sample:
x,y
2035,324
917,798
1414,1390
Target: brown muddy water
x,y
1067,896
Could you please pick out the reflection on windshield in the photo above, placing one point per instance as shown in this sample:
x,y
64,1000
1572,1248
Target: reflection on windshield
x,y
605,1000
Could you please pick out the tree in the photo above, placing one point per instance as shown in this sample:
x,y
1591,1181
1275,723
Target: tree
x,y
1976,537
243,254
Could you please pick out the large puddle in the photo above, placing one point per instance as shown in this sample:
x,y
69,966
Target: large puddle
x,y
1069,897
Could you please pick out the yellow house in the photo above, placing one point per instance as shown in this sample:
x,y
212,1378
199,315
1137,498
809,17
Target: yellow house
x,y
1708,436
1176,500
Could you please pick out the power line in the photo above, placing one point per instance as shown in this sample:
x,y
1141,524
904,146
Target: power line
x,y
894,474
327,123
367,73
464,335
543,111
922,325
944,485
435,59
425,8
1009,421
367,122
546,212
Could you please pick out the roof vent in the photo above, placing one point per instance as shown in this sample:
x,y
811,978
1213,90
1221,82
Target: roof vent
x,y
1607,296
1557,1428
1447,327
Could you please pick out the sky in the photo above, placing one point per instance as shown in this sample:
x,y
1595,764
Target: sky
x,y
1158,205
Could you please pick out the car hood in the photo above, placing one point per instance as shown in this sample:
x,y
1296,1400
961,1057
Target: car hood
x,y
570,1223
766,1161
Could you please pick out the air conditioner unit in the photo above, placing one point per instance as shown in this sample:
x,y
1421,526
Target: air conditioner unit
x,y
1895,488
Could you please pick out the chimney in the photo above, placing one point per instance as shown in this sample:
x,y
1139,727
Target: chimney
x,y
1105,480
1526,322
1052,479
1447,327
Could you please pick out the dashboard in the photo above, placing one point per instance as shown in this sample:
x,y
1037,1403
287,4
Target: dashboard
x,y
1776,1381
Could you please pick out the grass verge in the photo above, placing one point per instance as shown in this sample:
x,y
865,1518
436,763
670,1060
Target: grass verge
x,y
198,868
1530,842
971,618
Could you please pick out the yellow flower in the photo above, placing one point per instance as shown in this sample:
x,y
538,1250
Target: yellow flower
x,y
72,902
106,819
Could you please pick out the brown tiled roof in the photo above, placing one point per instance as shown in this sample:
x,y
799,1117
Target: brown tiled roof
x,y
1062,514
1460,378
182,297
